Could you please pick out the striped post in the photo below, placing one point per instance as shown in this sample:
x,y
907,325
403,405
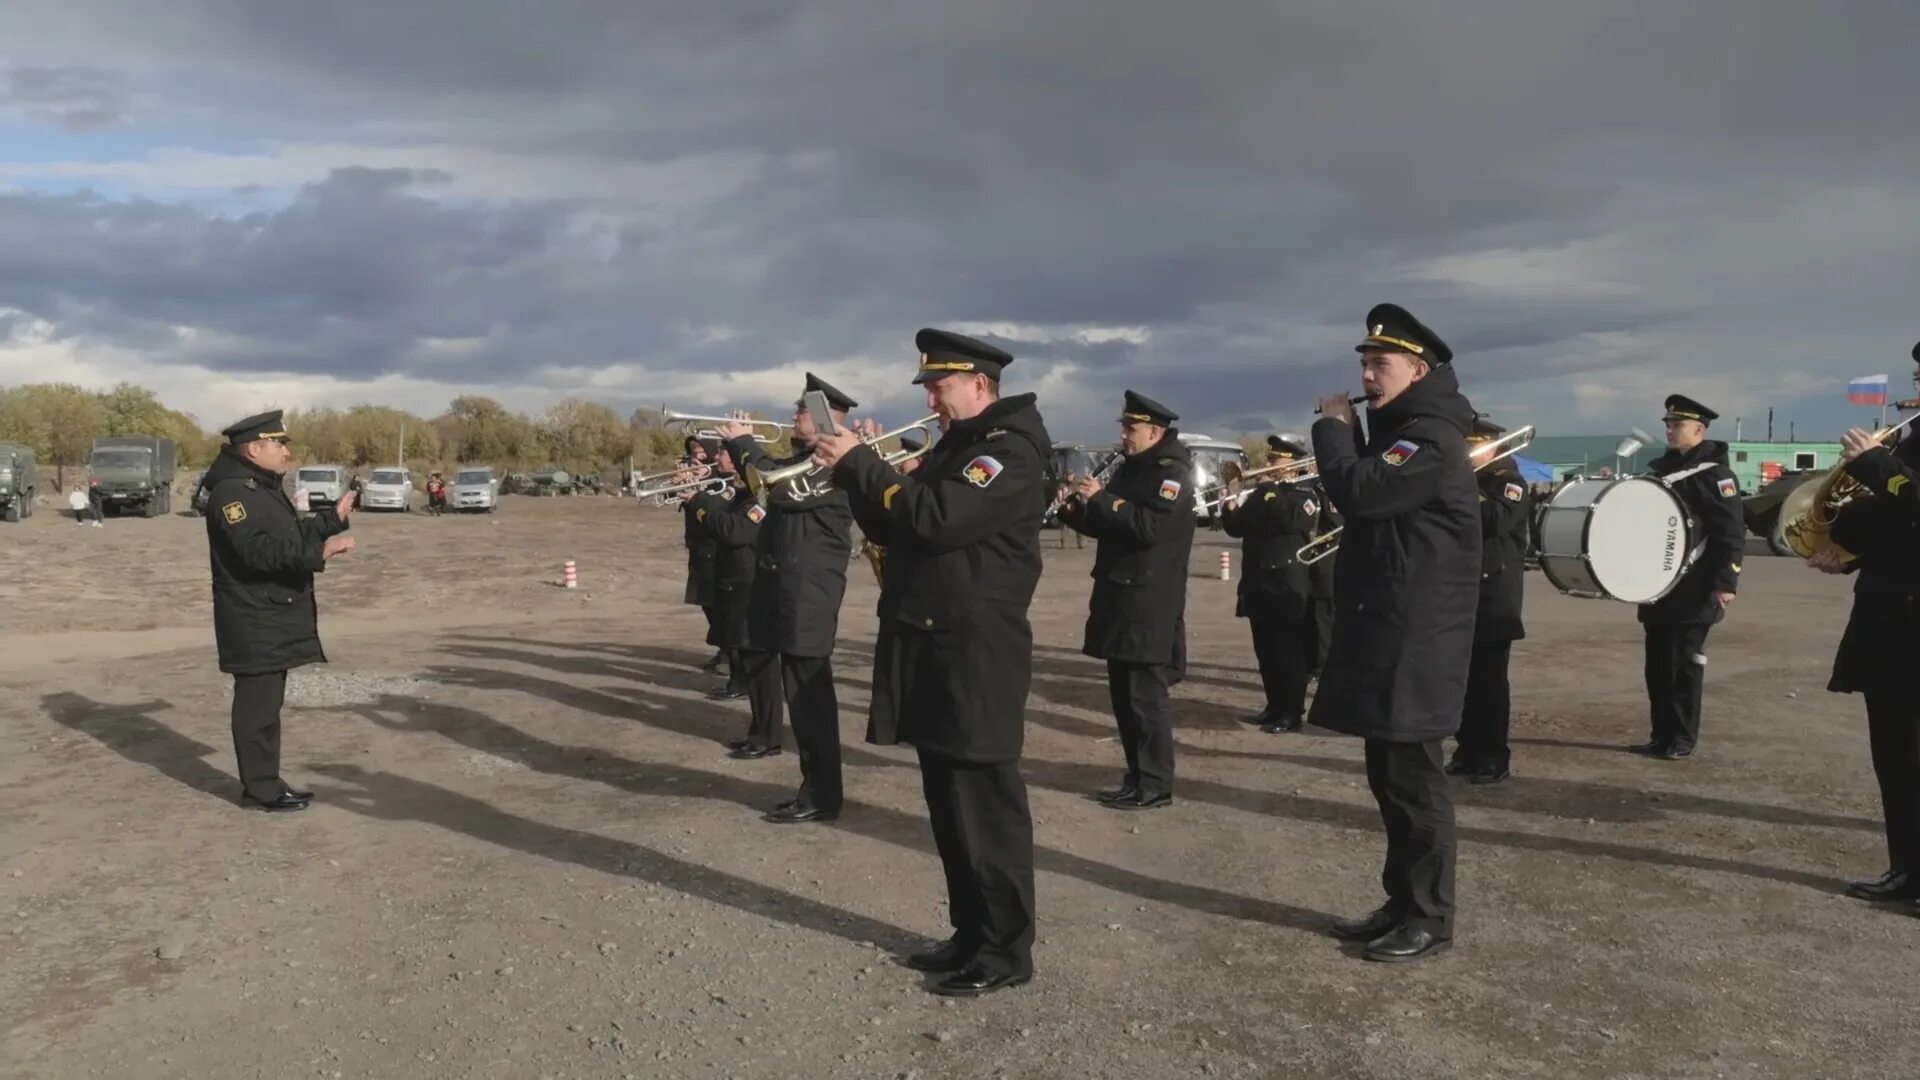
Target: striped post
x,y
573,579
1226,566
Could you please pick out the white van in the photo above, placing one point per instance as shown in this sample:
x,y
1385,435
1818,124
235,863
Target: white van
x,y
1208,455
474,488
389,488
323,484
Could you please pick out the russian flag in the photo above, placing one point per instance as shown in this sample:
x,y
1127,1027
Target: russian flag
x,y
1867,390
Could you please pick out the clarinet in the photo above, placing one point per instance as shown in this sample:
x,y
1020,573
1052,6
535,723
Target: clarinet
x,y
1100,473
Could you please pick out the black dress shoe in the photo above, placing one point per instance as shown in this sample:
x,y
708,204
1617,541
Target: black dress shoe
x,y
1404,943
726,693
1460,766
975,980
949,955
739,744
1890,886
1112,795
1651,748
303,796
1281,725
1258,719
1675,751
754,753
1489,774
718,659
1367,927
279,804
799,813
1140,800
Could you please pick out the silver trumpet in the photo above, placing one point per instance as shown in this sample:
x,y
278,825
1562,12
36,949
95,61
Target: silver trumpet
x,y
669,418
805,480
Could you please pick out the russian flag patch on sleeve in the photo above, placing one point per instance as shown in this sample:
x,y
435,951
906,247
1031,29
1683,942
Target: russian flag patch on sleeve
x,y
981,470
1399,452
1728,489
1169,489
1514,492
754,514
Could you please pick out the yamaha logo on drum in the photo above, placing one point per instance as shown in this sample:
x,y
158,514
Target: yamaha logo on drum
x,y
1673,536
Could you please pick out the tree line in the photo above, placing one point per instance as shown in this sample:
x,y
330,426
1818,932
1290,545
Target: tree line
x,y
60,421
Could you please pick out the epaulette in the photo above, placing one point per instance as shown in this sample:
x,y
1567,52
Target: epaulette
x,y
996,433
1166,461
251,483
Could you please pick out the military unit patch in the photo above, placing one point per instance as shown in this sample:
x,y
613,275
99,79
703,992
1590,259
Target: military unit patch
x,y
1514,492
1728,489
754,514
1311,507
234,512
981,470
1397,454
1169,489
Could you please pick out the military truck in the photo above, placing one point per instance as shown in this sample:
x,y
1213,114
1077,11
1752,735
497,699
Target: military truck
x,y
18,481
552,482
133,472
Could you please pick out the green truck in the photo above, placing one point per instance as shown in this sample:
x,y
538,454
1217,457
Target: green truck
x,y
133,473
18,481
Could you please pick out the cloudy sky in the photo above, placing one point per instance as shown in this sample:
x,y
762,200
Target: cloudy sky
x,y
253,202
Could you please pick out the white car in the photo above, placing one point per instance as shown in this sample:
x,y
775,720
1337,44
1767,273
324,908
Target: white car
x,y
324,484
1208,455
474,489
388,489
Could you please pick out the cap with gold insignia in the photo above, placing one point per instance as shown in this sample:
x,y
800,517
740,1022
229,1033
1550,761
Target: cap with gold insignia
x,y
266,425
1391,328
1484,428
943,353
1145,410
835,399
1682,407
1286,447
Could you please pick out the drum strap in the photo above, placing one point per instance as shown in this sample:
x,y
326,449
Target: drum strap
x,y
1700,548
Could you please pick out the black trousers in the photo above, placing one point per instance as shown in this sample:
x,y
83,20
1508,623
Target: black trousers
x,y
1410,785
1486,717
1893,730
1144,712
984,832
1282,646
256,732
779,682
1676,673
1319,632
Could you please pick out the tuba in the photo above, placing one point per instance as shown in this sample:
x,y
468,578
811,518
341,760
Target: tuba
x,y
1808,512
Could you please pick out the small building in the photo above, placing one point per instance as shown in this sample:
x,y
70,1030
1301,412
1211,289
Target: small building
x,y
1755,463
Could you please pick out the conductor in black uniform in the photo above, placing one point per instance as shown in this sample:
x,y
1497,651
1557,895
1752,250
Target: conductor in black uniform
x,y
1143,522
1484,754
265,620
1878,536
1274,521
954,655
1408,583
1676,625
799,579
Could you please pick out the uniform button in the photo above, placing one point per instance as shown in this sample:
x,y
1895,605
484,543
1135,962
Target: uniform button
x,y
929,622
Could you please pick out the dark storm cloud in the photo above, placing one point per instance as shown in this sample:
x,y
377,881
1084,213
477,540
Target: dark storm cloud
x,y
1240,179
75,97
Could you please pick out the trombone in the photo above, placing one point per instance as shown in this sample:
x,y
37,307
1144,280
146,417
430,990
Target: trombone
x,y
669,418
805,480
1235,473
1481,456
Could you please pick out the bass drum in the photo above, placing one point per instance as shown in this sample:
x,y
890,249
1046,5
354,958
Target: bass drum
x,y
1627,539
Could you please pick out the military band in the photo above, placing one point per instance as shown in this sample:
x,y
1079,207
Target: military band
x,y
1483,755
1273,521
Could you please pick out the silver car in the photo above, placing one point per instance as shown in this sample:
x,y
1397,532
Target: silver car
x,y
475,489
388,489
324,484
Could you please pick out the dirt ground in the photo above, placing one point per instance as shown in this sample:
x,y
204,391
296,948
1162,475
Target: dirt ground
x,y
529,856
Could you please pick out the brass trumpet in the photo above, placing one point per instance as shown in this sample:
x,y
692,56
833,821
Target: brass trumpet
x,y
805,480
1808,512
669,418
1233,472
1482,456
705,470
713,485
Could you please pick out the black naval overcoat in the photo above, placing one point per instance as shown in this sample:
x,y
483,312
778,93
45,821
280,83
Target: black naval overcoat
x,y
731,521
1408,582
1881,646
1273,522
263,557
800,571
701,549
1143,521
954,657
1506,512
1712,499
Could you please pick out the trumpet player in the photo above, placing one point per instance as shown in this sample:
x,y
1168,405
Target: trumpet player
x,y
954,655
1483,755
1875,657
793,616
1273,521
1408,582
729,521
700,548
1676,625
1142,525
